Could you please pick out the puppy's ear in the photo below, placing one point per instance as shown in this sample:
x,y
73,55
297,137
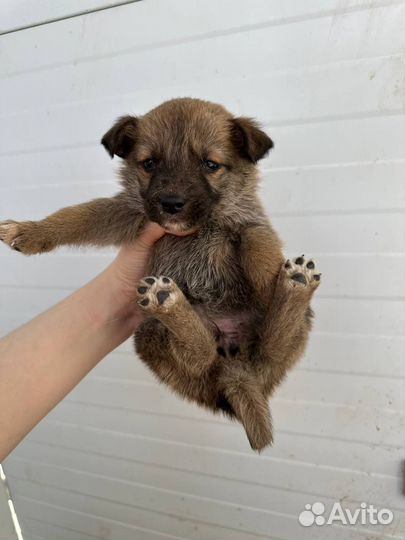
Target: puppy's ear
x,y
120,139
250,141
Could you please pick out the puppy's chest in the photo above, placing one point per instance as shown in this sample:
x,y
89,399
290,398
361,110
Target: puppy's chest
x,y
207,269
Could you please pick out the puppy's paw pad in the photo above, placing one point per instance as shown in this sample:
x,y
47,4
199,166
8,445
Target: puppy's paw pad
x,y
301,273
300,278
157,293
162,296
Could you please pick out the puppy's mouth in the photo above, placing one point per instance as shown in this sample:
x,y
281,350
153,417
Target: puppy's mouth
x,y
180,223
178,227
182,220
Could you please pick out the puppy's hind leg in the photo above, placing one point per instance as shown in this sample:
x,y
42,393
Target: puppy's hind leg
x,y
190,341
288,321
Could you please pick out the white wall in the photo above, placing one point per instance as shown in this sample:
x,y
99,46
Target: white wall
x,y
123,458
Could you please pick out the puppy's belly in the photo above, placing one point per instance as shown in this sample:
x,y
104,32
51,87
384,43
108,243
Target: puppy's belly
x,y
231,329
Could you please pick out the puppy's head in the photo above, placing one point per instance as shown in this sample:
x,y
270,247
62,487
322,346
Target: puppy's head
x,y
185,159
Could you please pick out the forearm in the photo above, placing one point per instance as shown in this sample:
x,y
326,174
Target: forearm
x,y
42,361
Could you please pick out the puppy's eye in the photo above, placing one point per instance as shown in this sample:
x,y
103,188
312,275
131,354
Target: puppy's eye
x,y
211,166
149,164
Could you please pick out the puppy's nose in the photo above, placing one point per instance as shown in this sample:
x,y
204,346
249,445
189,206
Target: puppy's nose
x,y
173,203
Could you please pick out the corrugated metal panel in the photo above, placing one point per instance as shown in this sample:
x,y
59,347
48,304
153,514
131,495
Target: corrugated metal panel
x,y
123,458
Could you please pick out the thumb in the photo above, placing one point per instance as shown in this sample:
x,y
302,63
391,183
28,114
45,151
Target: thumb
x,y
150,234
132,259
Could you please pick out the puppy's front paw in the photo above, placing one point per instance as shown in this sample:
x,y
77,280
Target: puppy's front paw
x,y
300,273
25,237
158,294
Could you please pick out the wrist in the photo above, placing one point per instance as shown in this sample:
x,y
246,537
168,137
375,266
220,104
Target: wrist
x,y
111,308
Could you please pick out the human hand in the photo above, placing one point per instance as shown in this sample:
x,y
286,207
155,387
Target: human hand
x,y
121,278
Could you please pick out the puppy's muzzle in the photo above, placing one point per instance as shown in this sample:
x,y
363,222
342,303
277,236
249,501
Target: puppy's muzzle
x,y
172,203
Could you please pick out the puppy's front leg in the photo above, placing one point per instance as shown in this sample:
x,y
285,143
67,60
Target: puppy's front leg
x,y
101,222
191,343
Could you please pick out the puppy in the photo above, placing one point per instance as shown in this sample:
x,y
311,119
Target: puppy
x,y
227,316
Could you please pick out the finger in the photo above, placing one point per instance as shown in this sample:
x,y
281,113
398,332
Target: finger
x,y
133,258
144,243
151,233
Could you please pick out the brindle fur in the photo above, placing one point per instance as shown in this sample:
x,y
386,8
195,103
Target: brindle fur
x,y
233,318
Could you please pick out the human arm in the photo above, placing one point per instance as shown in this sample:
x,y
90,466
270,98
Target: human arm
x,y
44,359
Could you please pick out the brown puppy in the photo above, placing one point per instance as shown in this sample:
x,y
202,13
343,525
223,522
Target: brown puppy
x,y
227,316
